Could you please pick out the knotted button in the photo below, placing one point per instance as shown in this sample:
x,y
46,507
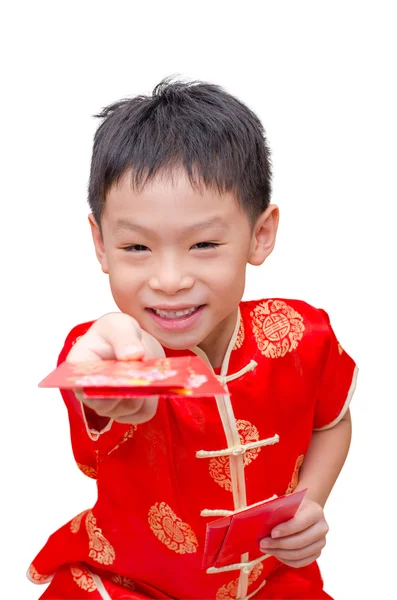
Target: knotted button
x,y
247,570
237,450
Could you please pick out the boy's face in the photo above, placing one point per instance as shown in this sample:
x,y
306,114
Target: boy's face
x,y
176,258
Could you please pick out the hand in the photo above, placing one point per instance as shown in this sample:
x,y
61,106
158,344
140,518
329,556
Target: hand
x,y
117,336
298,542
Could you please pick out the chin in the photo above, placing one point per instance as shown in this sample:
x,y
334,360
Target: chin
x,y
180,342
181,345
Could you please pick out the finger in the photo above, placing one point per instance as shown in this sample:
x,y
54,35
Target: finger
x,y
298,554
147,412
299,540
90,347
302,521
126,407
98,405
113,336
114,407
101,406
297,564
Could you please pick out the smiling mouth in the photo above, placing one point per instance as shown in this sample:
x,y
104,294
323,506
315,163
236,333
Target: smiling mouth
x,y
175,314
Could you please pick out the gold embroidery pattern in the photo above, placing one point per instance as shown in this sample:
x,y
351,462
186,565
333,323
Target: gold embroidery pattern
x,y
171,530
76,522
100,549
125,582
128,434
83,579
89,471
240,336
87,368
38,577
277,328
220,466
229,591
295,476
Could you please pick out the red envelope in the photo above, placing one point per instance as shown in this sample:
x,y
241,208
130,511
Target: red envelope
x,y
230,537
177,376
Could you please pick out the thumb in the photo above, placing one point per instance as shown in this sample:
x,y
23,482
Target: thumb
x,y
124,335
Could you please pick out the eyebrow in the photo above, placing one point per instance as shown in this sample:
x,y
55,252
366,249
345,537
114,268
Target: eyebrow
x,y
216,223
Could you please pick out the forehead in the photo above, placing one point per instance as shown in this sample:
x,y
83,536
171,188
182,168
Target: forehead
x,y
169,198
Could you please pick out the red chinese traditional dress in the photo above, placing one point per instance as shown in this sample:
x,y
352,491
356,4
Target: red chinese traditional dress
x,y
161,482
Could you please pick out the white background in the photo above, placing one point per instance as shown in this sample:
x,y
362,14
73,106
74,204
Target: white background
x,y
321,76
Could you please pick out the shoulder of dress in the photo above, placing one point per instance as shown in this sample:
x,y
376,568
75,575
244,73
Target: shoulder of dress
x,y
308,318
274,304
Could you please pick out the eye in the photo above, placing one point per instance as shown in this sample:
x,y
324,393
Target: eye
x,y
136,248
205,245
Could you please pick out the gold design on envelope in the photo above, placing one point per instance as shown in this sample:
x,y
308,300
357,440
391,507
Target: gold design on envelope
x,y
229,591
38,577
89,471
240,336
100,549
87,368
76,522
83,578
171,530
295,475
219,466
277,328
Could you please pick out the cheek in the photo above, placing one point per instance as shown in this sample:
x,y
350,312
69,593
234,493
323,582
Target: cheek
x,y
124,282
227,279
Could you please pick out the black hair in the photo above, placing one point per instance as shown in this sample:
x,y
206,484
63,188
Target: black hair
x,y
198,126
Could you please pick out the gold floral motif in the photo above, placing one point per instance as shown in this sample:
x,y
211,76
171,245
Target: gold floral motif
x,y
37,577
83,578
277,328
220,471
255,573
125,582
219,466
100,549
295,475
229,591
240,336
76,522
171,530
89,471
128,434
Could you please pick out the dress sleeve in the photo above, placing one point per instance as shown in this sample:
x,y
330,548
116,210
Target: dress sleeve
x,y
91,435
337,381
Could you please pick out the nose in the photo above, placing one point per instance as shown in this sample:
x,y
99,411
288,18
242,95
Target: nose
x,y
170,278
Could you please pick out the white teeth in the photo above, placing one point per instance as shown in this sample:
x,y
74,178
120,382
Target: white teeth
x,y
174,314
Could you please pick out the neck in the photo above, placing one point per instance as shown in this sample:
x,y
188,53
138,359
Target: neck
x,y
216,344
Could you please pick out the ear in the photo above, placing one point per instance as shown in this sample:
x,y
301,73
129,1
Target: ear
x,y
98,243
264,235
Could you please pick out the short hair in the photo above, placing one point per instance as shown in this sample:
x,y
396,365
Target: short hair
x,y
198,126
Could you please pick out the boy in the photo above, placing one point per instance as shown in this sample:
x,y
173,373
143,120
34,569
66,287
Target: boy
x,y
180,198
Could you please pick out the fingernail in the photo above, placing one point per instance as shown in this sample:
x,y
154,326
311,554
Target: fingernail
x,y
264,544
131,351
276,533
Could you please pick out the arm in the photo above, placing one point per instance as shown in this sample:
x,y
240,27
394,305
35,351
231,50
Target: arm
x,y
299,542
324,460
